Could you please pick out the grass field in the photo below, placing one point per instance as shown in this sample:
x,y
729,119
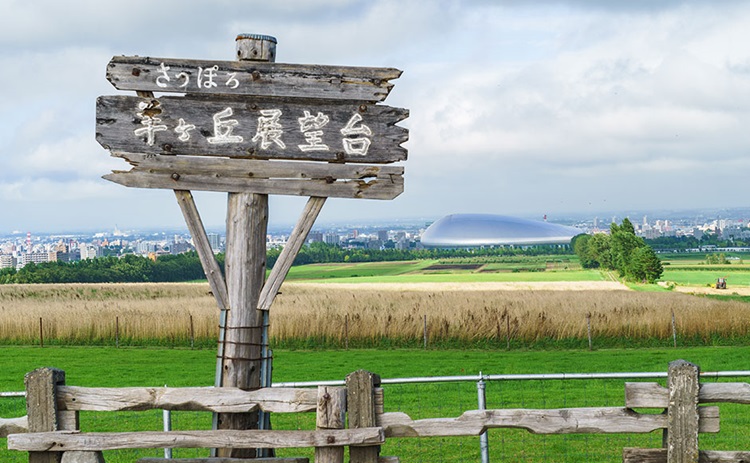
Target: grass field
x,y
385,305
156,367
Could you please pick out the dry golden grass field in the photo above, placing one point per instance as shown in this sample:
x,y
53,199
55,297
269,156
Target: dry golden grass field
x,y
362,313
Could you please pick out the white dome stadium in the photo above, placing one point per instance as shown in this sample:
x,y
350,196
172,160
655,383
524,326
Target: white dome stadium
x,y
468,230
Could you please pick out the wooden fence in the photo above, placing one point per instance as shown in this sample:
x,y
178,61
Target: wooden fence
x,y
54,436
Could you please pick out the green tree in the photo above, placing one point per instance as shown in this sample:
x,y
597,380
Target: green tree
x,y
644,265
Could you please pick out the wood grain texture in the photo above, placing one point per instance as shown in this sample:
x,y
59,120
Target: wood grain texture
x,y
253,168
230,127
82,457
331,414
295,242
653,395
208,260
67,440
635,455
604,420
251,78
245,267
223,460
41,407
211,399
360,400
13,426
682,412
354,189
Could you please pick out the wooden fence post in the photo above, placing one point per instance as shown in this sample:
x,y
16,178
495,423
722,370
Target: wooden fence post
x,y
682,414
360,398
41,407
331,414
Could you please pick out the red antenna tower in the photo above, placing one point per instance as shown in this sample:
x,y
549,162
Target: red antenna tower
x,y
28,241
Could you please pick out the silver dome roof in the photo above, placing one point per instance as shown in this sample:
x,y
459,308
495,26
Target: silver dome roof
x,y
493,230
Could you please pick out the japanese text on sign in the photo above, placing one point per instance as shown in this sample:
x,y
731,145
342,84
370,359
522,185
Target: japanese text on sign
x,y
268,132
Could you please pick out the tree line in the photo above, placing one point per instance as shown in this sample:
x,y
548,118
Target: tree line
x,y
126,269
131,268
622,251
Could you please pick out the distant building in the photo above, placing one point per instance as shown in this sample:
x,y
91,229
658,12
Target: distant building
x,y
315,237
214,240
89,251
473,230
7,261
331,238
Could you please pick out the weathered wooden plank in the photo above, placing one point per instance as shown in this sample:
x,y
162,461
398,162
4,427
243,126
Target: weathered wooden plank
x,y
646,395
360,399
682,412
653,395
220,400
331,414
737,393
253,129
253,168
223,460
636,455
251,78
13,426
290,251
384,189
67,440
606,420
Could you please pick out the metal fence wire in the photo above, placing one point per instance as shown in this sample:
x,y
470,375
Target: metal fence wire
x,y
449,397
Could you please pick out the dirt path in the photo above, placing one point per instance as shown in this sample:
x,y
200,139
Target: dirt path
x,y
476,286
741,290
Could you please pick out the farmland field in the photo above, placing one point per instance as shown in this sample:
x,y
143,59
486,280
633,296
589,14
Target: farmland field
x,y
511,315
503,302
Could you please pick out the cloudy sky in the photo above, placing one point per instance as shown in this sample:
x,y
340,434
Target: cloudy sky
x,y
517,107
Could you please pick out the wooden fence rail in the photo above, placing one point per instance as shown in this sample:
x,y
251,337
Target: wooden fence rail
x,y
54,436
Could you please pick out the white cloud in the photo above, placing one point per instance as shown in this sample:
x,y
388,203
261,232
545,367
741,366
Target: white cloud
x,y
564,104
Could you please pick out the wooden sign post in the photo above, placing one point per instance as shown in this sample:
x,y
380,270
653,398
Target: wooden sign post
x,y
251,128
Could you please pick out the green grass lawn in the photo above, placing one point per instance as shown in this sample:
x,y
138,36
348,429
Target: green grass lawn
x,y
470,277
156,367
738,277
359,269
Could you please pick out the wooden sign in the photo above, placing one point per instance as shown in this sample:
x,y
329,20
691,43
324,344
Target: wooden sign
x,y
252,128
251,78
267,177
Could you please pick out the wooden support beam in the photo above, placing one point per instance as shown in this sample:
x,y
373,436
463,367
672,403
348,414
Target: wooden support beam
x,y
331,414
241,349
41,408
682,412
291,249
360,398
203,247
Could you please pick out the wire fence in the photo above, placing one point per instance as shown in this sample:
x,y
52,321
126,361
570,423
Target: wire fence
x,y
446,397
